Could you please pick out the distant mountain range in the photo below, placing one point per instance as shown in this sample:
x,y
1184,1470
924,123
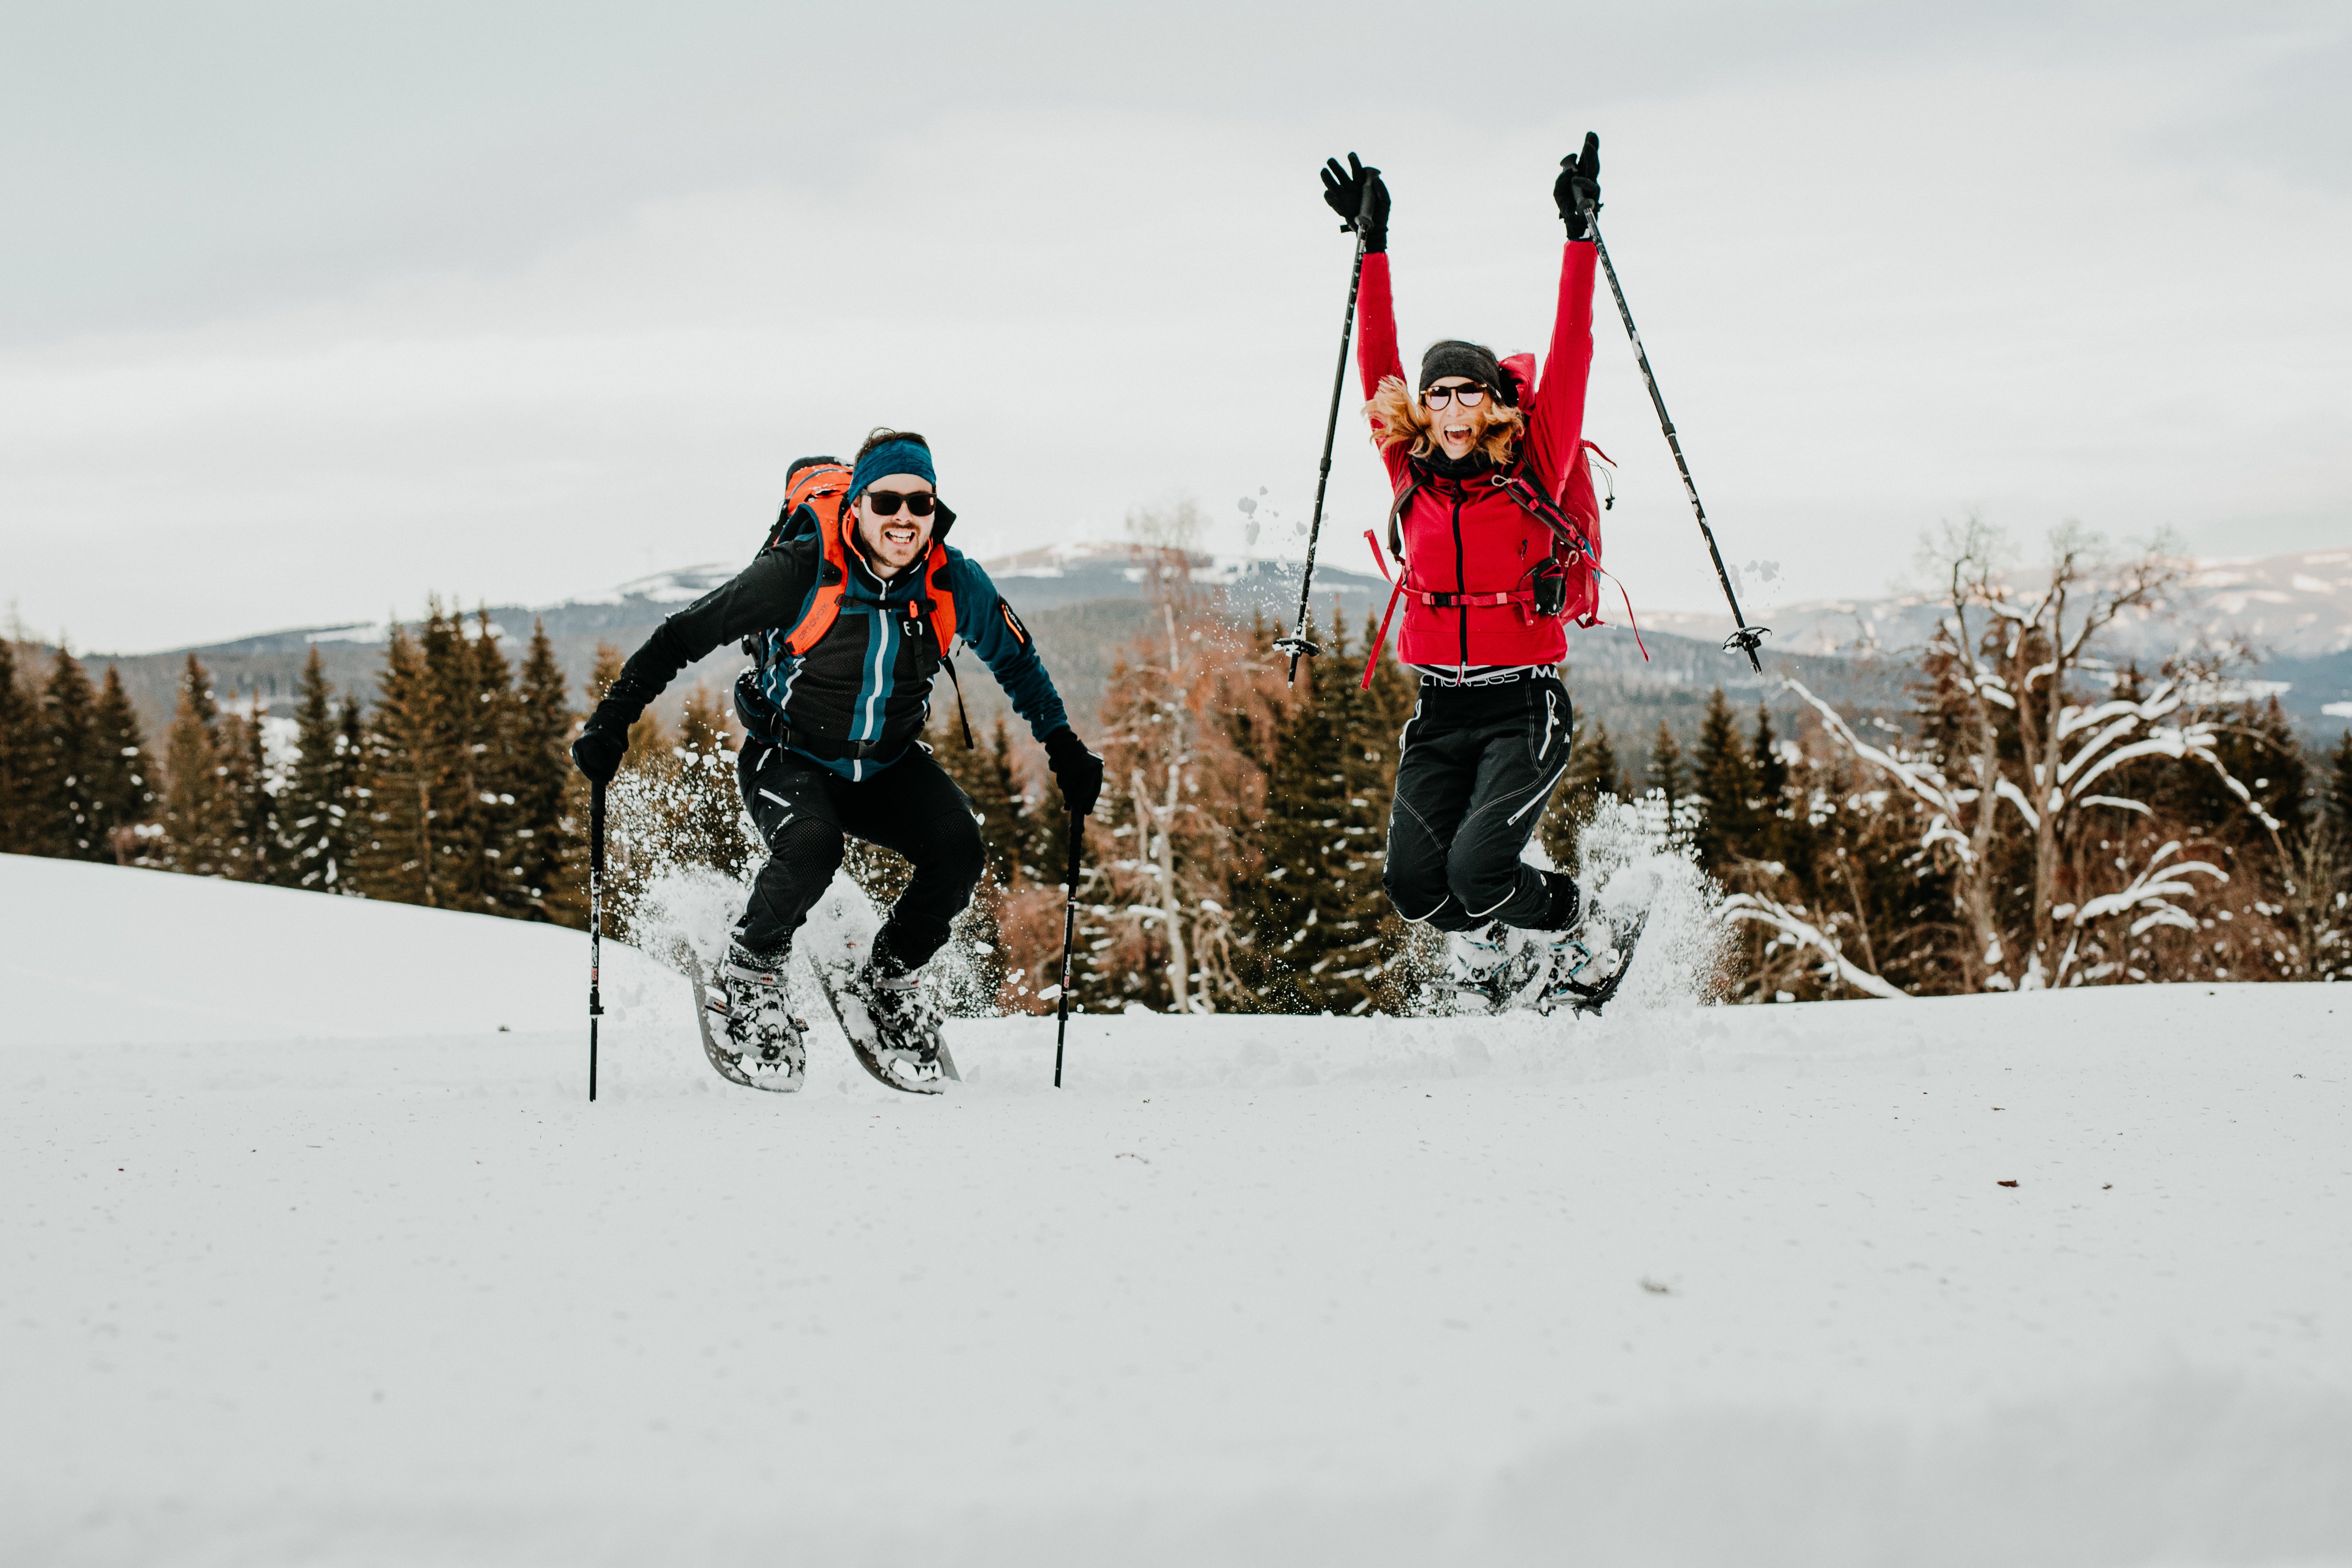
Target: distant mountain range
x,y
2293,611
2286,607
1084,603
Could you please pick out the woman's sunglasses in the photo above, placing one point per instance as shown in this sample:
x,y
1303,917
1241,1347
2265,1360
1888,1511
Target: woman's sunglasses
x,y
1438,396
886,503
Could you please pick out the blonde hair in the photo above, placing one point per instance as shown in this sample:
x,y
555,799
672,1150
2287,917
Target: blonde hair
x,y
1398,415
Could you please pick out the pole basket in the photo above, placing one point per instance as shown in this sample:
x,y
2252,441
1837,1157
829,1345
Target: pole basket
x,y
1295,647
1747,640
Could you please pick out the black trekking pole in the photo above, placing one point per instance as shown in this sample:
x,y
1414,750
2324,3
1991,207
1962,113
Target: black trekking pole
x,y
595,923
1069,935
1296,643
1746,639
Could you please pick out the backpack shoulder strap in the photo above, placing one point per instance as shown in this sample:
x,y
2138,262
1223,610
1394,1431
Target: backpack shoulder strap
x,y
938,602
831,581
1396,515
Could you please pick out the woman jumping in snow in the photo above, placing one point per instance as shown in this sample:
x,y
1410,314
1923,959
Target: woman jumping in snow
x,y
850,609
1498,535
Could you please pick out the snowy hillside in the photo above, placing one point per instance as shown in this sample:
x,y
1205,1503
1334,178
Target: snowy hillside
x,y
307,1262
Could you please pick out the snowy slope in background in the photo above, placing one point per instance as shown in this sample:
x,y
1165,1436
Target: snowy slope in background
x,y
1682,1286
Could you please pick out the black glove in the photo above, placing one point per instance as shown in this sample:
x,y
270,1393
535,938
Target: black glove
x,y
1577,192
602,745
1078,771
1357,194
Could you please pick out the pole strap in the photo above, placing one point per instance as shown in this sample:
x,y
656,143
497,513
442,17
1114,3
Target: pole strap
x,y
1372,661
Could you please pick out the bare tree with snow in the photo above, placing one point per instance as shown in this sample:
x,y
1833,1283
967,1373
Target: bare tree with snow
x,y
2028,770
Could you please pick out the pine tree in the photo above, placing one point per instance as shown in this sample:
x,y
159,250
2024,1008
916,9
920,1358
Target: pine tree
x,y
66,814
1310,950
1380,711
350,744
196,819
463,734
708,826
1668,778
120,787
20,748
1724,781
2277,771
482,691
246,807
634,849
394,851
315,810
548,870
1771,769
2337,789
992,784
1376,969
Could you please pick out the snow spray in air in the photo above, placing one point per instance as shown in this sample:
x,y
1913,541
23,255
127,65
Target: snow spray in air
x,y
1631,852
689,909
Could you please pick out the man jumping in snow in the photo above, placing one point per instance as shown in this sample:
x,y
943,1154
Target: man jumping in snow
x,y
850,609
1498,536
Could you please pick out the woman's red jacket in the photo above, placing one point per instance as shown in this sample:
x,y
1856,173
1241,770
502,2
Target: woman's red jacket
x,y
1472,538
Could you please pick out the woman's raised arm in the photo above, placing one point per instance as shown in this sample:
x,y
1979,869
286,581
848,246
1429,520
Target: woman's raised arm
x,y
1557,420
1362,199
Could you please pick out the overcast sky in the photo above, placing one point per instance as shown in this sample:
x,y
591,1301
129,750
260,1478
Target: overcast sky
x,y
310,310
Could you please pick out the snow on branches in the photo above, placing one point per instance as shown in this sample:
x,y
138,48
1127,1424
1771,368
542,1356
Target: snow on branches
x,y
2024,780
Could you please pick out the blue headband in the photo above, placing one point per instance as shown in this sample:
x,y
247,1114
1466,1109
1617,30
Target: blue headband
x,y
892,457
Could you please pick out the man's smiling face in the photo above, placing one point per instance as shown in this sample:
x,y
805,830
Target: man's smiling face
x,y
892,542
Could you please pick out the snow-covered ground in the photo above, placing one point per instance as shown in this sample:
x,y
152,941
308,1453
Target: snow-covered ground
x,y
303,1261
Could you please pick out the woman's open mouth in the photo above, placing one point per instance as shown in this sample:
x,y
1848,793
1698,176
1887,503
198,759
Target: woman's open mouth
x,y
1454,433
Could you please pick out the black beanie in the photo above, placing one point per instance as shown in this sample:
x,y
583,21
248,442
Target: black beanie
x,y
1452,356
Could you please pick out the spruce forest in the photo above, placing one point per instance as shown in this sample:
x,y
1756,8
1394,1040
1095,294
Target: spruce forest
x,y
2045,819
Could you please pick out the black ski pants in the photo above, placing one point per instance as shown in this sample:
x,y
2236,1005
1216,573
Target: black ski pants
x,y
806,811
1477,764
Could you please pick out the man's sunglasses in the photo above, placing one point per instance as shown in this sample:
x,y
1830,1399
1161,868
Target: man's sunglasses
x,y
1471,397
886,503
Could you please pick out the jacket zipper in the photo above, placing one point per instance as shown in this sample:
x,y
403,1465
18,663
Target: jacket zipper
x,y
1461,585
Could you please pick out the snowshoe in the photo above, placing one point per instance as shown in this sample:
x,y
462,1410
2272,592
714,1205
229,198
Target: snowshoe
x,y
1493,969
839,941
749,1032
893,1026
1588,968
